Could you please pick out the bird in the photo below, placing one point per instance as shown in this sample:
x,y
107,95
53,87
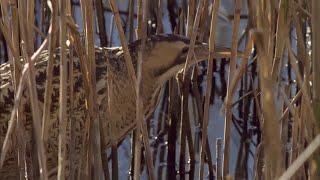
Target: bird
x,y
164,56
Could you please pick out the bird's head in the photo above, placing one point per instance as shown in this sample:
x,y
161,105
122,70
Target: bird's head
x,y
166,55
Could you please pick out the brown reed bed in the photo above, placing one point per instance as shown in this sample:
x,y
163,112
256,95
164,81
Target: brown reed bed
x,y
271,99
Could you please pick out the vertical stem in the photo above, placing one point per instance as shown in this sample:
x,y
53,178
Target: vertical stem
x,y
33,93
136,154
13,27
101,23
94,134
139,106
62,161
114,154
271,131
137,132
209,86
159,18
232,68
131,20
49,74
192,34
316,59
30,22
48,86
172,131
316,68
219,158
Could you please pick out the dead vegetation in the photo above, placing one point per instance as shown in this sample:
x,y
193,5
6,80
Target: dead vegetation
x,y
271,96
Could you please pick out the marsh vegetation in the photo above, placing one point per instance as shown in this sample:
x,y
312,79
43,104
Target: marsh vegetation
x,y
253,115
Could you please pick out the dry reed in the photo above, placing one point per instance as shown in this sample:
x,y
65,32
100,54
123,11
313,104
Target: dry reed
x,y
274,84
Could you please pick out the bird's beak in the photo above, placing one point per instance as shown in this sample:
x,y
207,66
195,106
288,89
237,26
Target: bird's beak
x,y
201,52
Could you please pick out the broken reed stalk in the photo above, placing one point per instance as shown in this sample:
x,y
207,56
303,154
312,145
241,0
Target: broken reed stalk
x,y
215,10
228,101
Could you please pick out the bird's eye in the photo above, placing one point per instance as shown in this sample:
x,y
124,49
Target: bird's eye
x,y
185,49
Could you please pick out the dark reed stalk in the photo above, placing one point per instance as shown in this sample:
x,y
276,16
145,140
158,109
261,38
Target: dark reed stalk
x,y
130,21
174,102
101,23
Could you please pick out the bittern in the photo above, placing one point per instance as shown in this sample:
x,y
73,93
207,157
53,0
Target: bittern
x,y
164,56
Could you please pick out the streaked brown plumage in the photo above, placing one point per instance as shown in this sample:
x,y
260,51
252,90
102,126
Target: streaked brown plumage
x,y
164,56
